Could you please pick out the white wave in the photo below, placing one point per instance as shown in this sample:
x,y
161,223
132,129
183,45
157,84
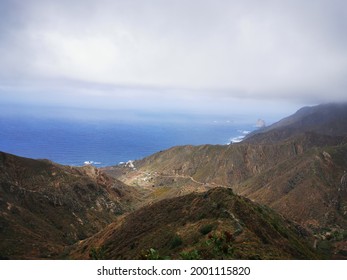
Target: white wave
x,y
236,139
239,138
244,131
90,162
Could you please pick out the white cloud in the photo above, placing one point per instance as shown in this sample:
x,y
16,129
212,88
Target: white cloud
x,y
249,49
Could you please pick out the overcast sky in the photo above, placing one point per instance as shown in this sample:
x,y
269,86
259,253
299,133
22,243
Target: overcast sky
x,y
198,55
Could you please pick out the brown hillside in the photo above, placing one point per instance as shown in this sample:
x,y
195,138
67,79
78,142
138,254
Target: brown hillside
x,y
302,183
213,225
297,167
324,119
45,206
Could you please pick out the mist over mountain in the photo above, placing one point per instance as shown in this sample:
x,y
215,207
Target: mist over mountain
x,y
325,119
105,82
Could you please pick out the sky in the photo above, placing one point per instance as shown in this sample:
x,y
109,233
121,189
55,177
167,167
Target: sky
x,y
200,56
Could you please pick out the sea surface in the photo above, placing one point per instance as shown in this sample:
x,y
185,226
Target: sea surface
x,y
105,143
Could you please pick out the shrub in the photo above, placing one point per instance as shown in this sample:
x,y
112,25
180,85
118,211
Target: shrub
x,y
175,242
191,255
206,229
153,254
97,253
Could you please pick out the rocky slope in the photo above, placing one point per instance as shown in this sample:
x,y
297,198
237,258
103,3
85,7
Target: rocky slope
x,y
324,119
45,206
212,225
178,203
297,167
302,183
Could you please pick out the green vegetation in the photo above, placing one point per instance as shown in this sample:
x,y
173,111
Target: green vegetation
x,y
153,254
97,253
190,255
176,242
324,246
217,246
206,229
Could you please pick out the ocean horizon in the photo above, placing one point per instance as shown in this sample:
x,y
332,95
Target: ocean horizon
x,y
107,142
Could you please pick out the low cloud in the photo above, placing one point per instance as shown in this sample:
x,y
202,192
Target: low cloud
x,y
202,50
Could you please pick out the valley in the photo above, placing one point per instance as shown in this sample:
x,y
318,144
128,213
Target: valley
x,y
279,194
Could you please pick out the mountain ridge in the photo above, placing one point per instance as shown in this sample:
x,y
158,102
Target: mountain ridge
x,y
286,184
212,225
324,119
297,172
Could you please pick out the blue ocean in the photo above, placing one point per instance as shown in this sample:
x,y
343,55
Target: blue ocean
x,y
106,142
